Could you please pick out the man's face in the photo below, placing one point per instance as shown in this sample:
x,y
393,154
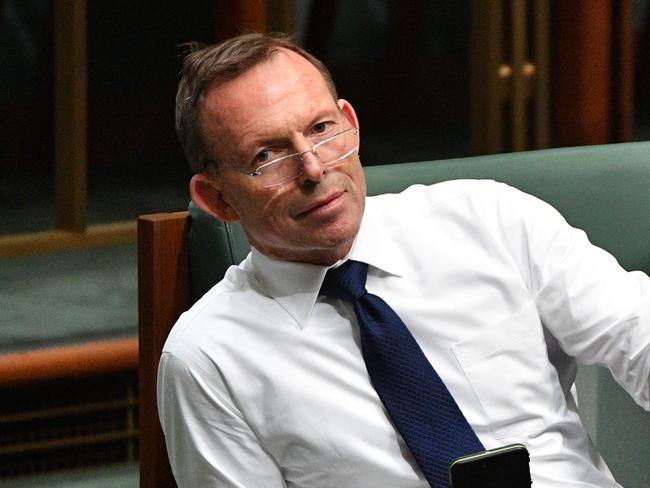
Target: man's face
x,y
280,103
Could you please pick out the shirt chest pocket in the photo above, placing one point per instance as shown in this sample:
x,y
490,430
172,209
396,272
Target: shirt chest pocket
x,y
508,367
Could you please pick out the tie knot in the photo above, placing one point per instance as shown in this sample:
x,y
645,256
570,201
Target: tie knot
x,y
347,282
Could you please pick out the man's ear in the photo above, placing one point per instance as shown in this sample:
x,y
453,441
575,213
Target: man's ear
x,y
348,111
207,195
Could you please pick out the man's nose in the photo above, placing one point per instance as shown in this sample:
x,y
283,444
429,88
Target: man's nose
x,y
313,168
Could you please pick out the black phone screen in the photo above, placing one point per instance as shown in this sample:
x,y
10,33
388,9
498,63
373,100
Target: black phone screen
x,y
506,466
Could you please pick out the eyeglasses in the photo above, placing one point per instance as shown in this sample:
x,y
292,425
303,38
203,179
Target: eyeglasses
x,y
331,151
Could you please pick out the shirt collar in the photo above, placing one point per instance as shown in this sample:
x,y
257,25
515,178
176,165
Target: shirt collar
x,y
375,243
295,286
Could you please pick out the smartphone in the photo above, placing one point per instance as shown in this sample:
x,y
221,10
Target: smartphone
x,y
506,466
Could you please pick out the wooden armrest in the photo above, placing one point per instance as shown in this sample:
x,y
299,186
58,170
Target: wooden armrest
x,y
71,361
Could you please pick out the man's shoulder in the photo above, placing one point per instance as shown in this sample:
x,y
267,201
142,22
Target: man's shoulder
x,y
426,196
196,324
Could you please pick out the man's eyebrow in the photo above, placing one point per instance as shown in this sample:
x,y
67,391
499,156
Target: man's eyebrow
x,y
322,114
270,140
327,112
265,140
247,153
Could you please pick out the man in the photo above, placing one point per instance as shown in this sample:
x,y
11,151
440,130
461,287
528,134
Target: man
x,y
262,383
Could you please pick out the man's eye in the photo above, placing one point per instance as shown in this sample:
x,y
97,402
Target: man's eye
x,y
262,157
320,128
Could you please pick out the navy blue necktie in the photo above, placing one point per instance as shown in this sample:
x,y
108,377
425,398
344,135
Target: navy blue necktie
x,y
418,402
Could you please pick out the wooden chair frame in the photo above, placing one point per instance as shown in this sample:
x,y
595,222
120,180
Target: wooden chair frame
x,y
163,294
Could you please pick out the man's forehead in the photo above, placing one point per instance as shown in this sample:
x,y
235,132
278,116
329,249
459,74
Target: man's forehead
x,y
283,66
294,69
271,83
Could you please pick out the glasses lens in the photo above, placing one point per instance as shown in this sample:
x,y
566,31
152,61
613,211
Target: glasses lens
x,y
285,169
331,151
338,149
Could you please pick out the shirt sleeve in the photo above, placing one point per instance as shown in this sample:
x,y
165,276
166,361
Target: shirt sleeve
x,y
208,441
598,312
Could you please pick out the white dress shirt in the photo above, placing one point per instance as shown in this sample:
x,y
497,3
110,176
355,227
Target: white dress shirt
x,y
262,382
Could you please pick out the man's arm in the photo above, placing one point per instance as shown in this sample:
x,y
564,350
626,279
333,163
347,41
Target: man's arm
x,y
599,313
208,440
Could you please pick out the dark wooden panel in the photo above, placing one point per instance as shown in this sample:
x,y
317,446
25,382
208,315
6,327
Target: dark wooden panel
x,y
233,17
583,72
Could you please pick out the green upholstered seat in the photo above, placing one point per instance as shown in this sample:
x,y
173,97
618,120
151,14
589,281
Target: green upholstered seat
x,y
604,190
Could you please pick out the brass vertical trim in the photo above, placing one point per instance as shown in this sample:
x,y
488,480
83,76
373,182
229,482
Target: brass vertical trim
x,y
510,75
519,126
623,71
495,84
487,87
475,77
542,84
70,124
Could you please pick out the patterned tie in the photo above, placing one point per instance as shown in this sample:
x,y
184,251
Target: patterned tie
x,y
417,400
